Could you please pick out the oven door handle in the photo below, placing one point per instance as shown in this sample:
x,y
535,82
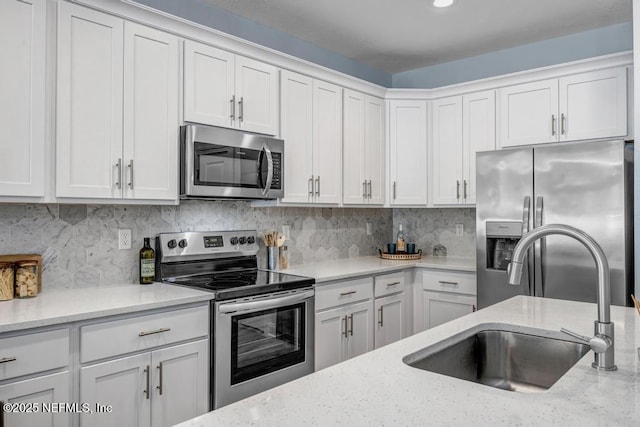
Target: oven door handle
x,y
265,304
269,157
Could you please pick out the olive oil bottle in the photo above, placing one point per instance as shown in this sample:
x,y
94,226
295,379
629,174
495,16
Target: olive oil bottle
x,y
147,263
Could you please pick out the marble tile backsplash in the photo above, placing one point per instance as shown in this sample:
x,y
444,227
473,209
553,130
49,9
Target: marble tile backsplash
x,y
79,243
429,227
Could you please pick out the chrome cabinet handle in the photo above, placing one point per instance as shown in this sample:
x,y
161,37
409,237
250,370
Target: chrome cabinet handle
x,y
394,190
310,186
159,386
563,120
392,284
444,282
157,331
465,188
146,391
343,321
343,294
553,125
131,174
458,190
318,186
241,105
381,321
8,359
233,108
118,165
369,187
364,189
351,321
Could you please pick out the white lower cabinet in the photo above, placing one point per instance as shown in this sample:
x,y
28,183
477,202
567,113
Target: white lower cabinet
x,y
445,296
36,393
158,388
389,319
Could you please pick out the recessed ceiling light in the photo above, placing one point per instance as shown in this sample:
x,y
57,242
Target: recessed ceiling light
x,y
443,3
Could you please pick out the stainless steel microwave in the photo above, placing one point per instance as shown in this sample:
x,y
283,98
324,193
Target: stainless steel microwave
x,y
221,163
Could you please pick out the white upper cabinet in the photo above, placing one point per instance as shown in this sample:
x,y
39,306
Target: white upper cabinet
x,y
462,126
580,106
408,153
311,113
363,171
224,89
117,116
22,91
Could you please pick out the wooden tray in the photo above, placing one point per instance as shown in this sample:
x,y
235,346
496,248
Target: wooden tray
x,y
26,257
400,257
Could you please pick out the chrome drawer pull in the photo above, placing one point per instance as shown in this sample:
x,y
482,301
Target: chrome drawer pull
x,y
381,321
444,282
344,294
392,284
8,359
144,334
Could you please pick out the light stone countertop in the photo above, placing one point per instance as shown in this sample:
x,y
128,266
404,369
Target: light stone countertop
x,y
378,389
327,271
58,306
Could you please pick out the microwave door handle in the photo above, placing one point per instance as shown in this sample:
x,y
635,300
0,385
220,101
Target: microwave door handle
x,y
267,184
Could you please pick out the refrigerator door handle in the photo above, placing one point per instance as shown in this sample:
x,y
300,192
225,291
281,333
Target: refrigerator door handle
x,y
539,247
526,215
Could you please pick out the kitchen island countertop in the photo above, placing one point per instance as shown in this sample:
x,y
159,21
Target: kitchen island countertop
x,y
378,389
326,271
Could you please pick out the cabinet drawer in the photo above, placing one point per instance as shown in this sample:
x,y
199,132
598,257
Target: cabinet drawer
x,y
348,292
388,284
140,333
31,353
449,281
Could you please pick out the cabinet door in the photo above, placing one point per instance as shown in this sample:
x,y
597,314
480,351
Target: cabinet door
x,y
390,314
125,384
330,331
150,114
89,111
22,91
528,113
297,132
478,134
374,149
209,85
41,391
256,96
327,142
354,164
359,329
442,307
408,152
180,385
447,151
594,105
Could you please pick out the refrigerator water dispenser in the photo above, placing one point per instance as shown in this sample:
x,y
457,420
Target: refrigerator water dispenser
x,y
502,238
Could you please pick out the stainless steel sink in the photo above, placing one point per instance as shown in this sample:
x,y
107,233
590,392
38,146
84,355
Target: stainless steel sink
x,y
526,360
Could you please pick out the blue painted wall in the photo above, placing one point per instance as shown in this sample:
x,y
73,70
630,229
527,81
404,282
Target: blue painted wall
x,y
222,20
587,44
602,41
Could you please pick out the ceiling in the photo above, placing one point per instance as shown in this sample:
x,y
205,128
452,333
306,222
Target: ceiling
x,y
400,35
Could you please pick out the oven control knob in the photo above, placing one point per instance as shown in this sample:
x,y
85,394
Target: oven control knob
x,y
172,243
233,240
242,240
183,243
251,240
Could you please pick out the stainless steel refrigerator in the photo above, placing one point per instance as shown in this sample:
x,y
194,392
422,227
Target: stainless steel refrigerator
x,y
588,185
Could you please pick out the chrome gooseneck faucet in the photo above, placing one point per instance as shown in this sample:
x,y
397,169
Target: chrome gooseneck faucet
x,y
602,342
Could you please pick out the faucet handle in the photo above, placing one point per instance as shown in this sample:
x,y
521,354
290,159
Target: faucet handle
x,y
598,343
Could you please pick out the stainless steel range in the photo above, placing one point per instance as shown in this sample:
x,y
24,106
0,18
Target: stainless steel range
x,y
262,321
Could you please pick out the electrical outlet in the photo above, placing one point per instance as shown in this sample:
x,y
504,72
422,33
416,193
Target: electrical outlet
x,y
459,230
368,228
286,230
124,238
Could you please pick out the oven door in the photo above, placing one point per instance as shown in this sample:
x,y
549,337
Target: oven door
x,y
262,342
226,163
